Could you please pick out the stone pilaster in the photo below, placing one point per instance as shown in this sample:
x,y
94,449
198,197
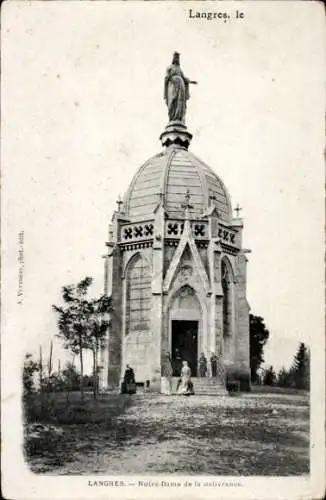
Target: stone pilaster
x,y
237,224
104,353
157,296
214,260
242,347
219,347
110,356
114,343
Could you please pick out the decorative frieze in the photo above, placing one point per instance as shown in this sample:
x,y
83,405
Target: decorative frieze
x,y
136,246
229,250
174,229
175,243
137,231
227,236
132,233
201,244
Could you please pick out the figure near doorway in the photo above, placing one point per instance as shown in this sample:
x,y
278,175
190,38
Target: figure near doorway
x,y
202,365
184,345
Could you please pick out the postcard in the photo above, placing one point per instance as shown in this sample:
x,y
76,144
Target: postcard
x,y
163,250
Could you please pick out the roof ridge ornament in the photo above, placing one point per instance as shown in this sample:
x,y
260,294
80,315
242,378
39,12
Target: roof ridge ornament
x,y
187,206
238,210
119,203
160,202
161,196
212,198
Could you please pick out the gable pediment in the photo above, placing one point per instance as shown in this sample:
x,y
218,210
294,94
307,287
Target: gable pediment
x,y
186,263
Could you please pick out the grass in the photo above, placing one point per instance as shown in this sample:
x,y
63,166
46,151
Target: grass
x,y
253,434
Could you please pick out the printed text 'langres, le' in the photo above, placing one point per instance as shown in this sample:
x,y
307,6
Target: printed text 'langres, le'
x,y
215,15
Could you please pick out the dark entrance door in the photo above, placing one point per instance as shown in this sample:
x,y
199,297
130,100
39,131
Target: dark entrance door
x,y
184,345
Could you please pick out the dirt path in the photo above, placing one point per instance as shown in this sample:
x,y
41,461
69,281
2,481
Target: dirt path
x,y
247,435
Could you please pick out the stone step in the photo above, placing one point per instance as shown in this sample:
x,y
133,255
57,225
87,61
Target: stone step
x,y
207,382
205,386
210,392
202,379
203,383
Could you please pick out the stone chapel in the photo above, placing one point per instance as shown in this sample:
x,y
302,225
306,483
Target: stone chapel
x,y
175,267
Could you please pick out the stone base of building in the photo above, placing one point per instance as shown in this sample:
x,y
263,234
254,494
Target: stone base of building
x,y
113,381
203,386
209,386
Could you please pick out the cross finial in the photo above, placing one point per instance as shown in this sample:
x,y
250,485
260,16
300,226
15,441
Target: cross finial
x,y
187,205
119,202
110,232
212,198
238,210
161,197
161,200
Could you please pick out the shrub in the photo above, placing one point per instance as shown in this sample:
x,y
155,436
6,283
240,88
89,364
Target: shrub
x,y
29,370
41,439
233,386
238,378
50,410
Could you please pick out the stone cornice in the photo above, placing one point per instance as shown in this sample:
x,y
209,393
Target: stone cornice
x,y
136,245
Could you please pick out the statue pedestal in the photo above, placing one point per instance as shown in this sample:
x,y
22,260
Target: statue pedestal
x,y
176,133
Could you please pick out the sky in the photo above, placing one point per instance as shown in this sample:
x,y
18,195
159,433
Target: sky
x,y
82,110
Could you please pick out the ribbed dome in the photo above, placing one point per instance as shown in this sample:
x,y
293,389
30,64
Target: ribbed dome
x,y
172,172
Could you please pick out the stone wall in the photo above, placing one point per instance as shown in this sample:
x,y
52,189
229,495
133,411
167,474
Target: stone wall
x,y
114,340
142,342
137,335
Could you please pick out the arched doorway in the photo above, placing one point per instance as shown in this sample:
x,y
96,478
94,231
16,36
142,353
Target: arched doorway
x,y
185,328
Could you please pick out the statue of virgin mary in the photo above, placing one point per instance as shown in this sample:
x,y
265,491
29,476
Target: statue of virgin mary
x,y
176,90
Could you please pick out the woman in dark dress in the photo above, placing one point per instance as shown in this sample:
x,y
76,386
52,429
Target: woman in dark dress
x,y
213,364
177,363
129,382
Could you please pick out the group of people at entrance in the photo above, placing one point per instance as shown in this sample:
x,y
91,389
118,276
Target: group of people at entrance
x,y
180,368
177,364
202,365
184,385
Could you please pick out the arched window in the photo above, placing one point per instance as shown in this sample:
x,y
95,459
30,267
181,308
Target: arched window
x,y
138,303
227,299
